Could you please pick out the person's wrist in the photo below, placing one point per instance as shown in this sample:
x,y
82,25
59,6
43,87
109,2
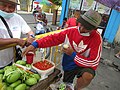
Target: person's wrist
x,y
32,47
35,44
32,35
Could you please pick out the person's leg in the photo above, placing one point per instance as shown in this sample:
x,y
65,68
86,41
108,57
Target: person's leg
x,y
84,78
68,78
83,81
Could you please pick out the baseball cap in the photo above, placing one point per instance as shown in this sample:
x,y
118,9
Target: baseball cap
x,y
90,19
10,1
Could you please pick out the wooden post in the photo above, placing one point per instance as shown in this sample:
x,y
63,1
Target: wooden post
x,y
54,18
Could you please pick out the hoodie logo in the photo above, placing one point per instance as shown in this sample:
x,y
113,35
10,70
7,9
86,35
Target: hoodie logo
x,y
81,47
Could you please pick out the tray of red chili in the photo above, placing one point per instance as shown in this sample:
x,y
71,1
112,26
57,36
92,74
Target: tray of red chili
x,y
44,68
43,65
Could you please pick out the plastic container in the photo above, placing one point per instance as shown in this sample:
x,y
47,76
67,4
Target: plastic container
x,y
29,57
44,73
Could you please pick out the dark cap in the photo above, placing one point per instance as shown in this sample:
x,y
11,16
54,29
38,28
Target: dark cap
x,y
90,20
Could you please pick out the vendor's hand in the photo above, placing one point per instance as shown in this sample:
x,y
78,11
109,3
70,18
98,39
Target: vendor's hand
x,y
29,41
68,50
20,42
28,49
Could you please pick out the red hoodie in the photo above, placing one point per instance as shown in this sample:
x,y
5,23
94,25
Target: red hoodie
x,y
88,48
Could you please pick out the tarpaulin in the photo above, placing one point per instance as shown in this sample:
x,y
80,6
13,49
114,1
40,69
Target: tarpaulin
x,y
113,4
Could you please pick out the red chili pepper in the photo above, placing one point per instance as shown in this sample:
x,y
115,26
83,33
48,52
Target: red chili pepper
x,y
43,65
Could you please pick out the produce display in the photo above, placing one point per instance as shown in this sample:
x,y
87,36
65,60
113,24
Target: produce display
x,y
16,78
43,65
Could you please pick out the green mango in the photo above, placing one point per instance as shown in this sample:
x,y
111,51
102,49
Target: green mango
x,y
15,83
21,87
21,62
13,77
1,71
7,67
37,76
27,87
9,88
4,86
28,66
1,76
31,81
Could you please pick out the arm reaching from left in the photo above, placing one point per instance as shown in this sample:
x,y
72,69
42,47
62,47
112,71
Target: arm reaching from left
x,y
8,41
29,48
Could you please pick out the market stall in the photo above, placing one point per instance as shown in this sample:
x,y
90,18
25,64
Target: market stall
x,y
22,75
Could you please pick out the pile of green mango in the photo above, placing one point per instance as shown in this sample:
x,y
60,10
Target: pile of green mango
x,y
14,78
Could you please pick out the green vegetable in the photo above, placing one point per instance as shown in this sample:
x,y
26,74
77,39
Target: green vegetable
x,y
1,71
21,87
62,86
1,76
31,81
28,65
4,87
13,77
21,62
27,87
7,67
9,88
8,70
15,83
1,84
37,76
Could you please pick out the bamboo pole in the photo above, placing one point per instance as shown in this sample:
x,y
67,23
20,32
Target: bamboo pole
x,y
36,37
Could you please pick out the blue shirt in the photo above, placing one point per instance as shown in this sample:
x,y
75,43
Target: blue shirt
x,y
68,62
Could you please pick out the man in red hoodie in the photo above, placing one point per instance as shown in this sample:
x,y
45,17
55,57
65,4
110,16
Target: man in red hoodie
x,y
85,40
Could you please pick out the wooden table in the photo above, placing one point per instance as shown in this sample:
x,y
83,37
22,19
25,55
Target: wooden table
x,y
43,84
